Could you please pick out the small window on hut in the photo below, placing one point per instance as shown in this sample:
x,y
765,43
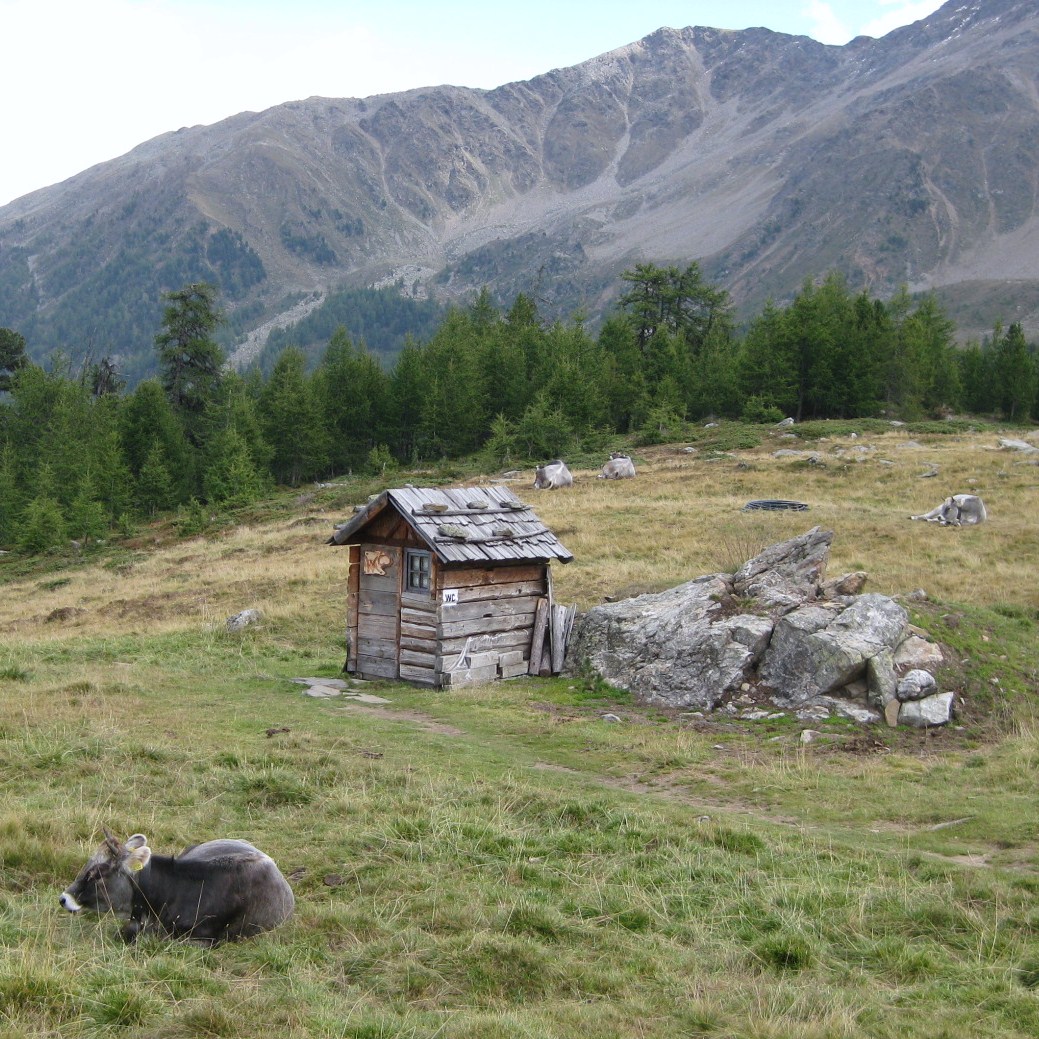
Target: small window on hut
x,y
419,565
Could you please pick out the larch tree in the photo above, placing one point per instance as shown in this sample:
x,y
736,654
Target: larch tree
x,y
190,359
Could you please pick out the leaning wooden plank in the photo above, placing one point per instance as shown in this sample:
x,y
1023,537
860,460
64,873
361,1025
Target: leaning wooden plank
x,y
537,639
546,656
558,640
568,627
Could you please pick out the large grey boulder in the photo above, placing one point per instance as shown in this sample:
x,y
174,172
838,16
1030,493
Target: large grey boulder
x,y
774,629
675,647
815,650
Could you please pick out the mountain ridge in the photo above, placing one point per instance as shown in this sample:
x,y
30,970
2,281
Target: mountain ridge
x,y
767,158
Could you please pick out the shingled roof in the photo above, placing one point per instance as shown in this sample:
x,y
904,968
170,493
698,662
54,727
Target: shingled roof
x,y
465,524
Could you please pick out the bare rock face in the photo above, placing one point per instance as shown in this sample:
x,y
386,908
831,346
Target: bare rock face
x,y
674,647
775,630
786,574
815,651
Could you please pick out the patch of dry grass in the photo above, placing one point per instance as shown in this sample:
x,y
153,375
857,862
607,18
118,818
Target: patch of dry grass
x,y
681,517
283,569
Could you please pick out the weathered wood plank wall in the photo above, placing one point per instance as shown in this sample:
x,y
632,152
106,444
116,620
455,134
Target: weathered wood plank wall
x,y
378,613
486,635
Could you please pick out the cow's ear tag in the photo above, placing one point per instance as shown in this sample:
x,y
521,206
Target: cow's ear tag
x,y
138,859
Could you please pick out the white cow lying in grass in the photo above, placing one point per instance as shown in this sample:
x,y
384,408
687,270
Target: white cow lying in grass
x,y
552,475
619,467
961,510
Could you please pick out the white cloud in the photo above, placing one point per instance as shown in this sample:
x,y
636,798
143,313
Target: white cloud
x,y
825,27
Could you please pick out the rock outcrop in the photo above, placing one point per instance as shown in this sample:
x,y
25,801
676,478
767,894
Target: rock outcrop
x,y
777,628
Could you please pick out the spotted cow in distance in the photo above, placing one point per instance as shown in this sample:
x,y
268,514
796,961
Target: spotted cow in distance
x,y
619,467
215,892
552,475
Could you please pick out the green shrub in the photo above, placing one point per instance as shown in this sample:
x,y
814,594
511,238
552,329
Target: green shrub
x,y
761,411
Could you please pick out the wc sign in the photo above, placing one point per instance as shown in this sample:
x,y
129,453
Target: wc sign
x,y
449,597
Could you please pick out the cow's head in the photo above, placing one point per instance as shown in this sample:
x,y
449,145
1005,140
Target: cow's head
x,y
103,884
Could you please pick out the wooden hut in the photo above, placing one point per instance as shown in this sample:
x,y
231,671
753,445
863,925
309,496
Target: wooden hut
x,y
449,586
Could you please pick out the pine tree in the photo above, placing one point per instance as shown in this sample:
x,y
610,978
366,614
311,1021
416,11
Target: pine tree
x,y
354,395
292,422
231,478
147,417
42,528
407,386
12,357
86,519
11,498
155,485
1014,373
190,359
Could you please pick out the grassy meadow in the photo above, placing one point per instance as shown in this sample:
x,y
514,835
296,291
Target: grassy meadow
x,y
501,861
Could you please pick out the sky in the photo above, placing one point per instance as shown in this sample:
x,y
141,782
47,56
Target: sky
x,y
84,81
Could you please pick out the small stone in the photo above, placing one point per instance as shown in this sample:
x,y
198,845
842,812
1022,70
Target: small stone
x,y
916,684
243,620
931,711
891,712
808,735
610,718
322,692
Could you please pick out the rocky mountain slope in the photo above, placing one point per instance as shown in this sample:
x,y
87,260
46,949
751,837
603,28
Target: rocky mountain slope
x,y
769,158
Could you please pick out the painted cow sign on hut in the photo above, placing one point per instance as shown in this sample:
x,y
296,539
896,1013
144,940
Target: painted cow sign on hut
x,y
451,586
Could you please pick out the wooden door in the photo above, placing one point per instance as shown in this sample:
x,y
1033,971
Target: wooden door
x,y
378,611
